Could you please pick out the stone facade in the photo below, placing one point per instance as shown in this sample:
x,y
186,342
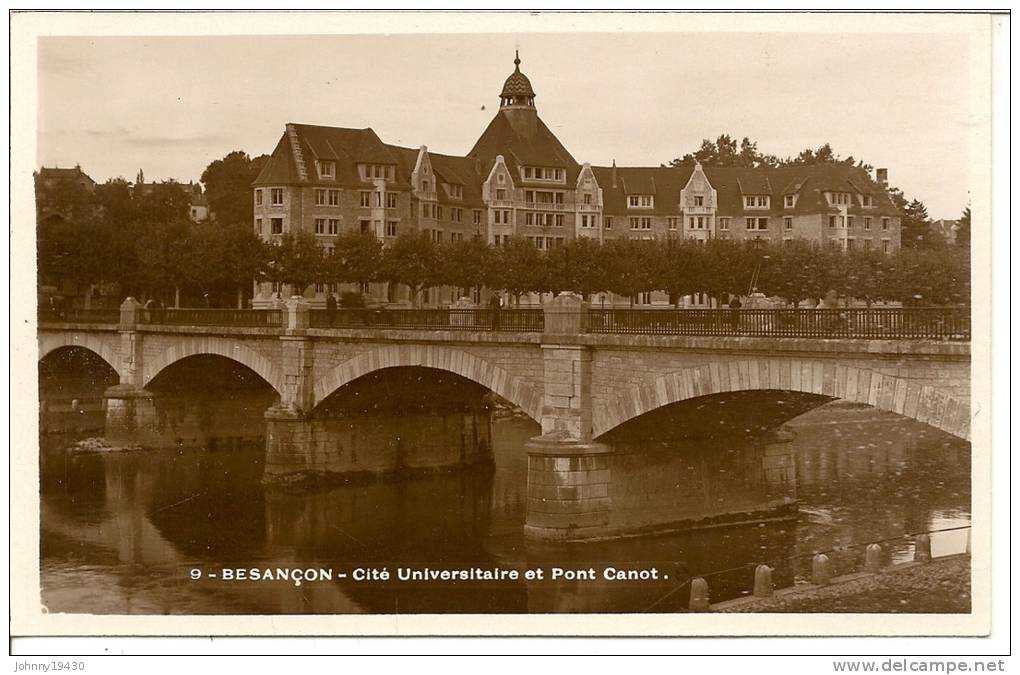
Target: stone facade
x,y
519,180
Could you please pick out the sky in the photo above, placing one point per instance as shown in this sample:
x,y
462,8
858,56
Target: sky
x,y
171,105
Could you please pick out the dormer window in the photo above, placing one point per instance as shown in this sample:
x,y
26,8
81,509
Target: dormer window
x,y
455,191
543,173
373,171
756,201
867,201
327,169
838,198
640,201
789,201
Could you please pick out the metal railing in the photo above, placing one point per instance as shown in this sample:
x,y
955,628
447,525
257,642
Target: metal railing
x,y
936,323
517,320
79,315
270,318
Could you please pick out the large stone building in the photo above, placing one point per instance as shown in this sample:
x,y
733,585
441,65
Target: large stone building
x,y
518,179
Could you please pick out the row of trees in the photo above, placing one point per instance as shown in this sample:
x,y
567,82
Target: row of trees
x,y
794,271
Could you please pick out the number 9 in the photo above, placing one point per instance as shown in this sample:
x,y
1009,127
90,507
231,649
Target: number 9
x,y
196,574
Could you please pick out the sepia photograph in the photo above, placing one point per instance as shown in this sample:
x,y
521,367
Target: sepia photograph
x,y
469,320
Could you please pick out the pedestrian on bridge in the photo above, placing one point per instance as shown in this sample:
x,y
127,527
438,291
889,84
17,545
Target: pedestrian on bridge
x,y
330,309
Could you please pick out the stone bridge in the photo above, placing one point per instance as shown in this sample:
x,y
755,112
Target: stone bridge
x,y
577,385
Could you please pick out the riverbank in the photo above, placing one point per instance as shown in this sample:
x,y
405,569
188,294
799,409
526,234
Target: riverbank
x,y
939,586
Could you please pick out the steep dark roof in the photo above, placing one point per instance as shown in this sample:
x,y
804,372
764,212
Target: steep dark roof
x,y
809,182
346,147
664,183
541,148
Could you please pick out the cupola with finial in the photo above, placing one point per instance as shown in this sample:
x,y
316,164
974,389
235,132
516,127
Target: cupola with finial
x,y
517,91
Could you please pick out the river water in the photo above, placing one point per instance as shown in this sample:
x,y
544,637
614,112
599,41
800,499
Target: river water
x,y
124,533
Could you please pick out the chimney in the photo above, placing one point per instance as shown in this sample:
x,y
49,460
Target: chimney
x,y
614,173
882,176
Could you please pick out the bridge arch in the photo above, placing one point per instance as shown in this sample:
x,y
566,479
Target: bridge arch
x,y
231,349
469,366
50,342
923,403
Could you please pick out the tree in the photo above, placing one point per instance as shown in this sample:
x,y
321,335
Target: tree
x,y
729,266
963,230
679,267
356,258
412,260
629,265
517,267
228,186
243,257
466,263
925,277
296,261
916,229
580,266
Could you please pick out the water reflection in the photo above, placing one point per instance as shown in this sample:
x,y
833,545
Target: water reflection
x,y
121,532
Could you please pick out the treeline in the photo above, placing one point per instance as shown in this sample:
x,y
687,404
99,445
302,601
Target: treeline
x,y
794,271
145,245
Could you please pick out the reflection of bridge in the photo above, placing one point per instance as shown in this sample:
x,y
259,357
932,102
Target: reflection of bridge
x,y
579,373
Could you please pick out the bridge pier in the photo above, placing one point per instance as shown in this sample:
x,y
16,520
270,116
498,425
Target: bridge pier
x,y
130,416
568,488
568,473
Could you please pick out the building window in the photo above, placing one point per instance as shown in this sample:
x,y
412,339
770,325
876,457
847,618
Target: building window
x,y
672,223
867,222
391,228
320,197
640,201
366,226
832,221
258,226
699,200
559,220
334,197
757,223
500,194
640,223
849,222
867,201
607,223
885,246
788,201
756,201
276,225
276,196
391,200
327,169
867,244
334,226
320,226
724,223
787,223
885,223
849,244
258,197
366,199
587,199
476,217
